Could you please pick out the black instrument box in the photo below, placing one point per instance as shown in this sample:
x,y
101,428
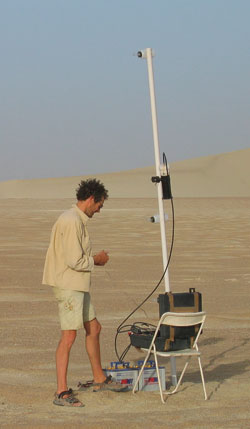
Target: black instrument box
x,y
184,302
171,338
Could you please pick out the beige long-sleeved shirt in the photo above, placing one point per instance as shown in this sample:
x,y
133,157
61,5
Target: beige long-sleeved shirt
x,y
69,263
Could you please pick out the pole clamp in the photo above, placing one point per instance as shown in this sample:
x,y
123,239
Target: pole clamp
x,y
156,179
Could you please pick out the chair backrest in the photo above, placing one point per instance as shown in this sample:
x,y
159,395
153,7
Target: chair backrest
x,y
182,319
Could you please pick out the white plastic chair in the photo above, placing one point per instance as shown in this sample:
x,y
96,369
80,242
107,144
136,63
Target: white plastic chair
x,y
176,319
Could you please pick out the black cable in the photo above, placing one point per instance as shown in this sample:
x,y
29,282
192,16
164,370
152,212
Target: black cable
x,y
119,329
165,161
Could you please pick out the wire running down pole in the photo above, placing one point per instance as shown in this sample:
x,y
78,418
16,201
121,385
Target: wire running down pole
x,y
148,55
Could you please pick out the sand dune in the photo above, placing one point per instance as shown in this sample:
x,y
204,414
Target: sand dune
x,y
223,175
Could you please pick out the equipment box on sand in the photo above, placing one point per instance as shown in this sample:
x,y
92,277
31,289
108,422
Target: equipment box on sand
x,y
125,374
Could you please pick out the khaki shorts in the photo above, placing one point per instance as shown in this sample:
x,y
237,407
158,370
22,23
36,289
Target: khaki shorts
x,y
75,308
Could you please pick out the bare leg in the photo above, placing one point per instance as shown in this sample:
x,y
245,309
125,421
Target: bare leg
x,y
62,358
93,329
62,361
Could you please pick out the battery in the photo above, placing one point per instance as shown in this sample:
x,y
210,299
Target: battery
x,y
125,373
122,373
149,378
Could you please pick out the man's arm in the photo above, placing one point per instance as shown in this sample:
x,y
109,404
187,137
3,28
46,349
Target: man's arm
x,y
75,256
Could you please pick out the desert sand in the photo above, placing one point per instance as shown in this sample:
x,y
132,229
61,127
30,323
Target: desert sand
x,y
211,253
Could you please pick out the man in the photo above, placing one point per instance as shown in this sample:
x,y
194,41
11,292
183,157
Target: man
x,y
68,266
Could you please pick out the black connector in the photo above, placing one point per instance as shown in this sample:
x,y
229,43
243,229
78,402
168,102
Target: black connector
x,y
166,187
156,179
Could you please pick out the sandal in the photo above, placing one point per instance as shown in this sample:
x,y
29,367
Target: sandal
x,y
85,386
69,401
110,384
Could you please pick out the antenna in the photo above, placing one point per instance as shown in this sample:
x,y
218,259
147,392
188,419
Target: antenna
x,y
148,54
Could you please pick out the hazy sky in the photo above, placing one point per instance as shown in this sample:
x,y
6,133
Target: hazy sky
x,y
74,97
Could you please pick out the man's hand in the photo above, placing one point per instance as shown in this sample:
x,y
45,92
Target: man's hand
x,y
101,258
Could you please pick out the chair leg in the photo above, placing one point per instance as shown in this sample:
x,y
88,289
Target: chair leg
x,y
180,378
202,378
141,370
158,375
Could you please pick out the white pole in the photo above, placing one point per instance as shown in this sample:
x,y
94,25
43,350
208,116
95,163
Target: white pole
x,y
148,54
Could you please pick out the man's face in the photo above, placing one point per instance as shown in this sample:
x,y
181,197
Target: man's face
x,y
93,207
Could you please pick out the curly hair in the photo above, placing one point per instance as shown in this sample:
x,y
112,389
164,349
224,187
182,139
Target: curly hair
x,y
91,187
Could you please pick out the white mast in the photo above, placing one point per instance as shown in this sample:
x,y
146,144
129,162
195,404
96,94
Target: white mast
x,y
148,55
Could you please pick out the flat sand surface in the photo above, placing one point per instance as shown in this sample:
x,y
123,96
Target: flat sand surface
x,y
211,253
